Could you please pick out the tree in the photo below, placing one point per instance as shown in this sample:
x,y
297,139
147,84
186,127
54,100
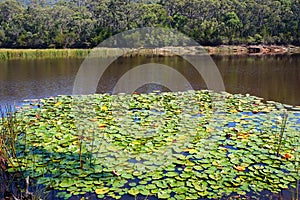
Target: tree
x,y
85,23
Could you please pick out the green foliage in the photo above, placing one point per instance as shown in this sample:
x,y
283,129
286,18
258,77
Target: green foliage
x,y
9,131
84,24
185,144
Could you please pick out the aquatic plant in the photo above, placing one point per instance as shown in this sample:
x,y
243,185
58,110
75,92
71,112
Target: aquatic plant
x,y
15,182
282,129
9,130
183,145
9,54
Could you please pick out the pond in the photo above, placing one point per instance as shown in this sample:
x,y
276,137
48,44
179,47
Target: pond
x,y
271,77
193,144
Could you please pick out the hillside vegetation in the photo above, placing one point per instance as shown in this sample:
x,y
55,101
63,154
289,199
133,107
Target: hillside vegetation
x,y
85,23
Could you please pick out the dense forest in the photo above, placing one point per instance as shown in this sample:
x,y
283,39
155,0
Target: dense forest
x,y
85,23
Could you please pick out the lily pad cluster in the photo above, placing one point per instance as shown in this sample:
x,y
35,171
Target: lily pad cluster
x,y
179,145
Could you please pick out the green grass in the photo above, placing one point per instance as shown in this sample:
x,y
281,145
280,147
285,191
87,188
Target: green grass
x,y
10,54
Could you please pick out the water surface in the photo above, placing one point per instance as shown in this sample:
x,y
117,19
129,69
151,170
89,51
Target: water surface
x,y
274,78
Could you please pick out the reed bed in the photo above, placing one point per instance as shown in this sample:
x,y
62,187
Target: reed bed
x,y
10,54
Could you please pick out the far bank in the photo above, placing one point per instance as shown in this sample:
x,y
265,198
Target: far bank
x,y
10,54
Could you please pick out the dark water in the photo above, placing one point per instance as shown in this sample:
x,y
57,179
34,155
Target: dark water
x,y
271,77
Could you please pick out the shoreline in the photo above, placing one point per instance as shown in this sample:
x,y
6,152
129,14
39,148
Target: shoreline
x,y
12,54
253,50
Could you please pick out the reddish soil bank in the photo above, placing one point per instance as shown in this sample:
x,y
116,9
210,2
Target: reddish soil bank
x,y
253,50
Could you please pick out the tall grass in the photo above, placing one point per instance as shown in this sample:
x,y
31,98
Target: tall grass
x,y
8,136
12,185
297,163
282,130
8,133
10,54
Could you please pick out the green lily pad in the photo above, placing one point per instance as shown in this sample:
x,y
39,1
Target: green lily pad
x,y
133,191
163,195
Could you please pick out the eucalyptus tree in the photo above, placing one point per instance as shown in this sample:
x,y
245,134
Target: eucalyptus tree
x,y
11,17
85,23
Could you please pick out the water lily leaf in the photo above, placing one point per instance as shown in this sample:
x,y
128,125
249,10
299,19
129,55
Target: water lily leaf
x,y
171,174
203,193
58,104
198,167
150,186
239,168
163,195
241,192
145,192
133,191
162,141
127,176
102,191
67,183
180,190
143,182
132,184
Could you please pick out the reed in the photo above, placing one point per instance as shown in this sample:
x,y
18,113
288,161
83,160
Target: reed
x,y
80,153
297,163
282,129
12,54
15,184
9,131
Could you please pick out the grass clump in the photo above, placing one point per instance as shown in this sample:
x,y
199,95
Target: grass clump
x,y
14,185
10,54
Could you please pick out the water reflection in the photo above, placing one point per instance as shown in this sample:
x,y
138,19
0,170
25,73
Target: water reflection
x,y
27,79
271,77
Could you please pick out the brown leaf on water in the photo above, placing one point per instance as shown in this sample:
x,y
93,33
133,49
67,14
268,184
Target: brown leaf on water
x,y
102,125
93,119
239,168
243,135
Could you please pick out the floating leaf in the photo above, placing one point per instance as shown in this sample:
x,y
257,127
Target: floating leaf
x,y
171,174
133,191
239,168
102,191
58,104
163,195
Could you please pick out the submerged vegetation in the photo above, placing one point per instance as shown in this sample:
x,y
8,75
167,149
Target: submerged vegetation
x,y
184,145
